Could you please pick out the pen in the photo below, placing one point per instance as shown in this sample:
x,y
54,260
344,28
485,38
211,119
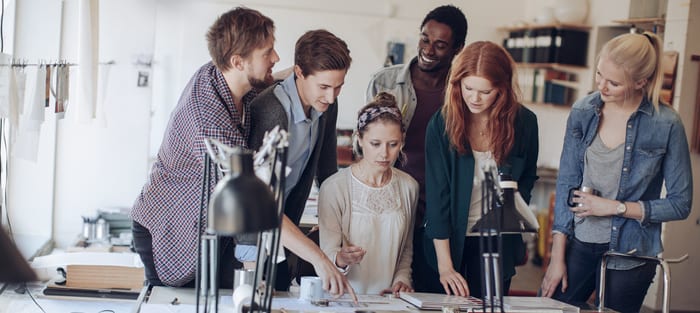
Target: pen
x,y
346,242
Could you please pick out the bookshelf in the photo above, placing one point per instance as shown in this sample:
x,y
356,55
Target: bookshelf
x,y
580,27
549,59
653,24
549,84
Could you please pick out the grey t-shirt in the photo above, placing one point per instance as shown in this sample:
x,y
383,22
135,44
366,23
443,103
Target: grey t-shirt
x,y
601,171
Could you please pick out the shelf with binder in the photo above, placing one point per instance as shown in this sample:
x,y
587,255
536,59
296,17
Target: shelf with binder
x,y
548,86
554,66
556,43
653,24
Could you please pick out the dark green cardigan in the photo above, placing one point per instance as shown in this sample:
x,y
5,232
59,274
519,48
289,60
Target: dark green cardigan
x,y
449,181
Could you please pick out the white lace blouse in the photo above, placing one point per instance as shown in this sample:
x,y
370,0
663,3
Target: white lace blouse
x,y
378,219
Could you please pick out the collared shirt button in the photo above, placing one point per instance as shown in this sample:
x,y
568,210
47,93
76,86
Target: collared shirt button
x,y
624,169
629,125
614,227
628,147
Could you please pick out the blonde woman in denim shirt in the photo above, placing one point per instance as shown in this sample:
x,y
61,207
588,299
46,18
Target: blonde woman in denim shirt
x,y
623,143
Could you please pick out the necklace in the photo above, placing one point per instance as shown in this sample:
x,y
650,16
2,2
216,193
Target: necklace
x,y
365,178
482,131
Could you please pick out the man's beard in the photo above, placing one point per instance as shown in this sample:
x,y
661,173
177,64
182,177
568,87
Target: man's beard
x,y
260,83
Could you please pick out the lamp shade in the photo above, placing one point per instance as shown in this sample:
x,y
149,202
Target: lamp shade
x,y
242,203
504,216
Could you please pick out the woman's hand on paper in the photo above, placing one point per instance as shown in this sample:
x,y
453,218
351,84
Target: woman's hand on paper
x,y
399,286
333,281
454,283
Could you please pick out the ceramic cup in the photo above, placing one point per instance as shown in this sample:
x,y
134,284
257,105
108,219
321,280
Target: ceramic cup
x,y
243,277
311,288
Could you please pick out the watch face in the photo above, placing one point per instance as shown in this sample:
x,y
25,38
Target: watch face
x,y
621,208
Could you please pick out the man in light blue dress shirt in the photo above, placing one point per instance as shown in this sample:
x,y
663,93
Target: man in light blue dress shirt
x,y
304,104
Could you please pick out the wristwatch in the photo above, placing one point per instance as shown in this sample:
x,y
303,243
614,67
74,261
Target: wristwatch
x,y
621,209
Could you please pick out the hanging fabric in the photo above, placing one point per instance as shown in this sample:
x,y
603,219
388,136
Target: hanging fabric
x,y
27,144
18,80
86,97
60,92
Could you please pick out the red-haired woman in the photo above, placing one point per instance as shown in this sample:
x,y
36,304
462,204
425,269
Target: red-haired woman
x,y
481,123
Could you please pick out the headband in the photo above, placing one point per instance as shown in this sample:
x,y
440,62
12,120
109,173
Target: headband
x,y
651,41
369,115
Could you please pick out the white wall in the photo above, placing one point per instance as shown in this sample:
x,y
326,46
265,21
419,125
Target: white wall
x,y
365,25
30,184
103,163
83,166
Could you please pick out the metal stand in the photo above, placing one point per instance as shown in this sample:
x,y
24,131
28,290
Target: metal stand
x,y
274,150
206,282
266,263
499,215
489,226
660,261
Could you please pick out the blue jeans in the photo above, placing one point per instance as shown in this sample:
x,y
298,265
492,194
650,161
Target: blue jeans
x,y
625,289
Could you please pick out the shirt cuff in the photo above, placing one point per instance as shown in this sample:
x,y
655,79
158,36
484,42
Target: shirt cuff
x,y
644,213
342,270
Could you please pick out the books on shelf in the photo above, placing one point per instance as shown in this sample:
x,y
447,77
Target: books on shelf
x,y
547,45
546,85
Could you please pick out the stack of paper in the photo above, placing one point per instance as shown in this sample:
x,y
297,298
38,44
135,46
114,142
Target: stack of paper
x,y
434,301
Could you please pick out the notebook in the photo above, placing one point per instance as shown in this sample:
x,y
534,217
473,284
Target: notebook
x,y
434,301
52,289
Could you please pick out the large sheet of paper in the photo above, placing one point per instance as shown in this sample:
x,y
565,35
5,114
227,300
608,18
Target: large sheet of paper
x,y
343,304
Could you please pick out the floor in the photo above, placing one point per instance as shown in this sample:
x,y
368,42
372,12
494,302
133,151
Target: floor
x,y
529,276
527,279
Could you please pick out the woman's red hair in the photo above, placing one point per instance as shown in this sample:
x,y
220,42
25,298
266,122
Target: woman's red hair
x,y
489,61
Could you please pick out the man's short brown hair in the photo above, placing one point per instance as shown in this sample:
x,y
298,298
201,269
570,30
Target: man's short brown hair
x,y
239,31
320,50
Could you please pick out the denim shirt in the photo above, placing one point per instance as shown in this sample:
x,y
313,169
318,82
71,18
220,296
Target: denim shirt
x,y
656,151
396,80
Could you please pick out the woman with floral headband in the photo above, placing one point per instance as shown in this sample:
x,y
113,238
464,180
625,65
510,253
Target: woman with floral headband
x,y
370,200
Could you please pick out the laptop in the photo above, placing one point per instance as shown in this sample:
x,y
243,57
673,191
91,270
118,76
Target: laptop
x,y
13,267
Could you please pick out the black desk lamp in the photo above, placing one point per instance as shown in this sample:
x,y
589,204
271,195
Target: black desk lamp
x,y
241,203
499,215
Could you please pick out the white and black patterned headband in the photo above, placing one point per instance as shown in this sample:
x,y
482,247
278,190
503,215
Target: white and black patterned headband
x,y
370,115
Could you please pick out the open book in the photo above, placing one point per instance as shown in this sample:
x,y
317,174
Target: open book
x,y
434,301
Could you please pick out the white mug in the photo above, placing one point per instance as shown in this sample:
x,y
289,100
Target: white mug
x,y
311,288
